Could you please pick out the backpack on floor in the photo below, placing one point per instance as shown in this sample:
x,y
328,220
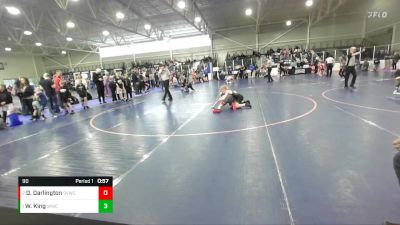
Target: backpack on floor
x,y
89,96
14,120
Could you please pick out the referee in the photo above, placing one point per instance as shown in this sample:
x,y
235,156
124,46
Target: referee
x,y
350,67
164,74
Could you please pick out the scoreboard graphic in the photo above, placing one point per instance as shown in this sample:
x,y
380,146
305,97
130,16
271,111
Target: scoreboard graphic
x,y
65,194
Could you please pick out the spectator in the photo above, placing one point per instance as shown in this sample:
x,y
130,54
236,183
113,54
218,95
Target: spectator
x,y
48,86
66,98
57,81
396,57
98,79
27,95
106,82
5,102
38,104
83,94
376,64
57,85
113,88
365,65
128,87
18,92
121,91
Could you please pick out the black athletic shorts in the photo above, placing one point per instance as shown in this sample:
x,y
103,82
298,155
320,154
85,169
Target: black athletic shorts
x,y
229,99
238,97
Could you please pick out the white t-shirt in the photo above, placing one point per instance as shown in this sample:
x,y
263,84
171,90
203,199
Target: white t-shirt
x,y
329,60
164,74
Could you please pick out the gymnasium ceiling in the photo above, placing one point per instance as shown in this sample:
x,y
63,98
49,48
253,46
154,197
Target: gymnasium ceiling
x,y
47,20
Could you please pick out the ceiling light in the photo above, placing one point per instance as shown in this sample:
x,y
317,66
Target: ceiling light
x,y
106,33
309,3
63,52
181,4
70,24
197,19
74,0
120,15
248,12
147,26
288,23
8,49
27,32
13,10
69,38
38,44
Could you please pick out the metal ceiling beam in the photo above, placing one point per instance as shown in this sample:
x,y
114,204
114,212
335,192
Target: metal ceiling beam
x,y
156,29
383,27
89,3
83,59
259,4
56,62
261,24
327,10
62,4
101,22
282,34
234,41
53,47
28,48
201,14
170,4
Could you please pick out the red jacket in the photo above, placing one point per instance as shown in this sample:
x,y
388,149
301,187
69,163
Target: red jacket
x,y
57,82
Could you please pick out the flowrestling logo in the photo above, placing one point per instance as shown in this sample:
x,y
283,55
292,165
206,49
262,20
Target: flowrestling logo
x,y
377,15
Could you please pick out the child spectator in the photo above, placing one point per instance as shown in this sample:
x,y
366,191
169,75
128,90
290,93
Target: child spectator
x,y
82,92
120,90
174,82
186,85
37,108
66,98
42,103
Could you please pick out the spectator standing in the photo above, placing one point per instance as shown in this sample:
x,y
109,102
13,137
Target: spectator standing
x,y
5,102
376,64
18,92
27,94
98,80
50,92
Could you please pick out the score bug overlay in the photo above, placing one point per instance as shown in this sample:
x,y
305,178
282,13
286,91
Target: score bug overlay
x,y
65,194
